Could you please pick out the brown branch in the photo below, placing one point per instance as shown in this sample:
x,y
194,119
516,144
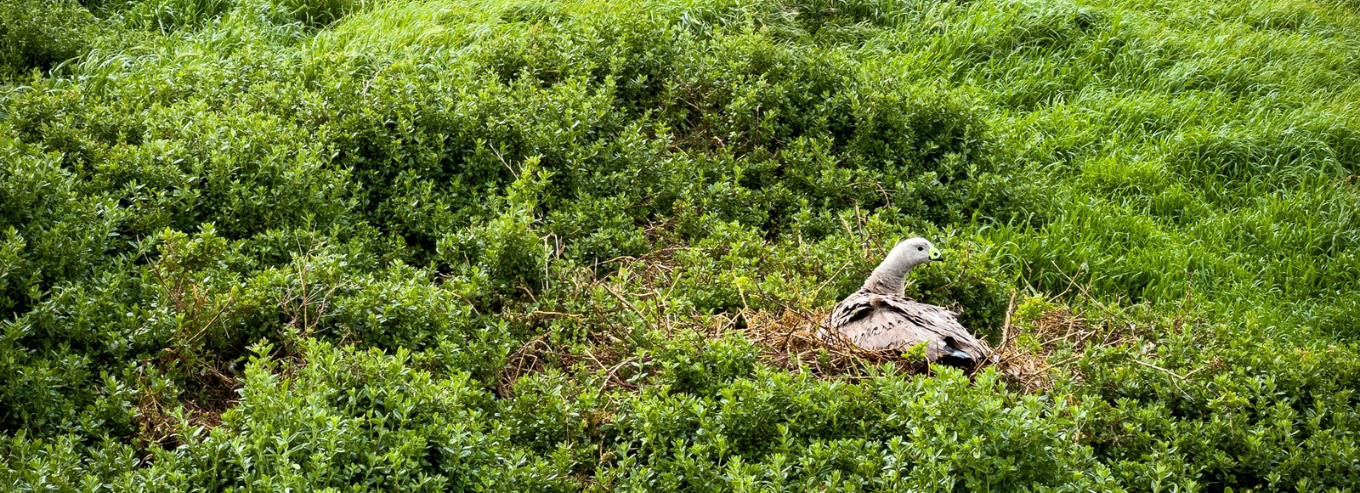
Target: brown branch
x,y
1164,370
629,305
1083,290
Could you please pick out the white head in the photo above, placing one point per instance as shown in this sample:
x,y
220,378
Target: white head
x,y
888,278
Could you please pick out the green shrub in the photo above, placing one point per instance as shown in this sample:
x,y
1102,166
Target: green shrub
x,y
521,245
704,369
41,34
347,407
1269,418
790,433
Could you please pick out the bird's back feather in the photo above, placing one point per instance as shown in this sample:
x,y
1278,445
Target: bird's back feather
x,y
878,322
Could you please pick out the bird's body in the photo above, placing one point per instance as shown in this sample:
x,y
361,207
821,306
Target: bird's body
x,y
878,316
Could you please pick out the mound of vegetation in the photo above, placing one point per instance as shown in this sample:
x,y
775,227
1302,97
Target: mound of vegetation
x,y
510,245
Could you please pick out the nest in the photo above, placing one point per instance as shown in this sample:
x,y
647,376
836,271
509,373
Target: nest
x,y
212,393
1031,368
798,341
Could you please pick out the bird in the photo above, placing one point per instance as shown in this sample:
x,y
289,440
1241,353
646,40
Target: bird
x,y
879,317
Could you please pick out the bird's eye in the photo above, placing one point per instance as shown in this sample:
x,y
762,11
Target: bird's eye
x,y
920,248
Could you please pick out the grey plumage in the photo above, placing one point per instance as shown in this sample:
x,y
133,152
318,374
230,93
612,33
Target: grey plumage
x,y
878,317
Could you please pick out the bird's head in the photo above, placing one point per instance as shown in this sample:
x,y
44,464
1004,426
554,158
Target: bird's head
x,y
889,276
915,251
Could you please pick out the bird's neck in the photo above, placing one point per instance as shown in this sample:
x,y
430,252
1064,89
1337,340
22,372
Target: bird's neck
x,y
889,277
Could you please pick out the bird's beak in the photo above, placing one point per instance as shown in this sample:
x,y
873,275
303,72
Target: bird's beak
x,y
935,254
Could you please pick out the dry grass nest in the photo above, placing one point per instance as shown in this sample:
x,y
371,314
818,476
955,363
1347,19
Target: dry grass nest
x,y
794,341
1029,365
789,336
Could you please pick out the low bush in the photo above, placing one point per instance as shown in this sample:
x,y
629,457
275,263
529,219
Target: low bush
x,y
38,35
511,245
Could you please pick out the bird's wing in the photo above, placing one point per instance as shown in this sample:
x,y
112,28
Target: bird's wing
x,y
876,322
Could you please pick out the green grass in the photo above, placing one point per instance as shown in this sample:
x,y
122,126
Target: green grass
x,y
509,245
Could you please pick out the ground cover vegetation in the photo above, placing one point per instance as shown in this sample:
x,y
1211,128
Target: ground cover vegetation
x,y
507,245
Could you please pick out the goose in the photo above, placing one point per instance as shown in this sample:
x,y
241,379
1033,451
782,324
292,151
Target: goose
x,y
878,316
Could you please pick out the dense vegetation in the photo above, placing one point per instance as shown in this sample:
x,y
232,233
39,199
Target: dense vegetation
x,y
515,245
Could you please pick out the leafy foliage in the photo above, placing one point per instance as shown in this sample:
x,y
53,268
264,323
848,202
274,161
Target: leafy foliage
x,y
41,34
505,245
